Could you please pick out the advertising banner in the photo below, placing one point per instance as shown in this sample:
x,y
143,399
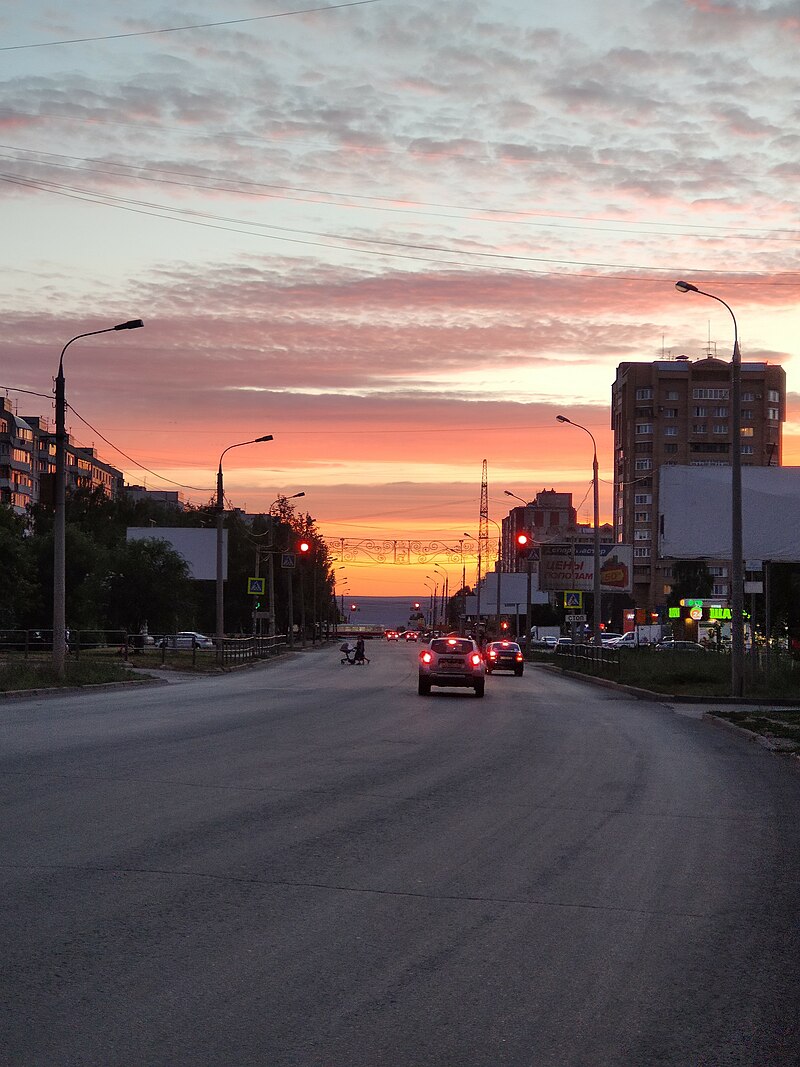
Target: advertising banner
x,y
572,567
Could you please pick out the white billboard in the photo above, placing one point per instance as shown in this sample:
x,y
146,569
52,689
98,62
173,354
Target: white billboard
x,y
695,513
197,546
568,566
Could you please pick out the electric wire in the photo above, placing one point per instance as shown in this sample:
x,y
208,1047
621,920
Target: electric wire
x,y
390,204
197,218
196,26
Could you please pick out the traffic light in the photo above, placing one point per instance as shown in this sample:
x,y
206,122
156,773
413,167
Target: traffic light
x,y
522,541
504,625
304,548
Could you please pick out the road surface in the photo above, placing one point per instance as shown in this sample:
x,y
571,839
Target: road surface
x,y
309,865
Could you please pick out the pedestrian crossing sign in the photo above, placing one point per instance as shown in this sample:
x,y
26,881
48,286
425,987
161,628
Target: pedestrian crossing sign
x,y
255,586
573,599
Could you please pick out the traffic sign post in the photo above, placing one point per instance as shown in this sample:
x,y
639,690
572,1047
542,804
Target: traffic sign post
x,y
575,618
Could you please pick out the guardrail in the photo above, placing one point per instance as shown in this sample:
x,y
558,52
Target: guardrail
x,y
249,649
593,659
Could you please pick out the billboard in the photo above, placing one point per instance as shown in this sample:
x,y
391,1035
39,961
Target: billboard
x,y
568,566
197,546
695,513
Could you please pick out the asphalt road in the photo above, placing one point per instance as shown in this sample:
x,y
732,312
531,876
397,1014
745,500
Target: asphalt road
x,y
308,864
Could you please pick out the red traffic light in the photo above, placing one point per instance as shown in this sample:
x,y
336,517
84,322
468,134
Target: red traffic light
x,y
522,540
304,547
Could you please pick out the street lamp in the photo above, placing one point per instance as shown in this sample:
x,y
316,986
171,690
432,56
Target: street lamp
x,y
59,517
737,549
509,493
477,589
499,571
220,516
435,579
445,594
597,618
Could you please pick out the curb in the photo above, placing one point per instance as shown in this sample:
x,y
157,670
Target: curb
x,y
61,690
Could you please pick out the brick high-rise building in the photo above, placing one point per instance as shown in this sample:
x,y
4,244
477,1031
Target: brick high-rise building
x,y
677,411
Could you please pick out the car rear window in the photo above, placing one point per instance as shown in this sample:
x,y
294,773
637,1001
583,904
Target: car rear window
x,y
460,648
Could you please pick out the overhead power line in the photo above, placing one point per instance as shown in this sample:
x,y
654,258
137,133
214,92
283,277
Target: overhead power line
x,y
194,26
357,244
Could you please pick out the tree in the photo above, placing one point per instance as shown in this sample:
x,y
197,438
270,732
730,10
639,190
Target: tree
x,y
148,585
17,585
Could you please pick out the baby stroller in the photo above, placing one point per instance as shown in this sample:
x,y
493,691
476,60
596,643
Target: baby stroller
x,y
353,656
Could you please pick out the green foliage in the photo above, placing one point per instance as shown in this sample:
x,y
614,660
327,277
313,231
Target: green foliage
x,y
24,675
115,584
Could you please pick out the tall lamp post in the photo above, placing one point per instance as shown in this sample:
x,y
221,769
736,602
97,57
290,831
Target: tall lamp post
x,y
445,595
499,571
737,548
597,617
59,518
220,517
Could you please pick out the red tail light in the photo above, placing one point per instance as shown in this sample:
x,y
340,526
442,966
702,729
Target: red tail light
x,y
476,659
426,657
518,657
492,654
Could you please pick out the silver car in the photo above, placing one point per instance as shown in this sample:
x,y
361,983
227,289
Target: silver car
x,y
187,639
452,662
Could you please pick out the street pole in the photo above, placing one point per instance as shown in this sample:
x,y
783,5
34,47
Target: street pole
x,y
220,509
597,616
60,504
737,547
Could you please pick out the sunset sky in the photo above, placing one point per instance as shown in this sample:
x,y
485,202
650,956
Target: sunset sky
x,y
400,237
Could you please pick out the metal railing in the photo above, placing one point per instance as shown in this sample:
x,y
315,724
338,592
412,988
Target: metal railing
x,y
591,659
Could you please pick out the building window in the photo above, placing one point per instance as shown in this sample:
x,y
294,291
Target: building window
x,y
719,413
672,394
773,414
670,431
699,427
641,516
748,396
773,396
700,413
747,431
747,414
670,449
643,498
641,535
719,589
644,394
720,427
643,465
710,394
643,447
641,553
644,427
718,572
670,413
747,450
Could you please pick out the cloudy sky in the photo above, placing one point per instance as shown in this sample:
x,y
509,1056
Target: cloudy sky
x,y
399,237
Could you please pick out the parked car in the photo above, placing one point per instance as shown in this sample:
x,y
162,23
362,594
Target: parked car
x,y
452,662
187,639
678,646
563,644
607,637
504,656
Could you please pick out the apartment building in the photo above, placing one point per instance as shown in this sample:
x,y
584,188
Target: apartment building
x,y
677,411
28,462
549,517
